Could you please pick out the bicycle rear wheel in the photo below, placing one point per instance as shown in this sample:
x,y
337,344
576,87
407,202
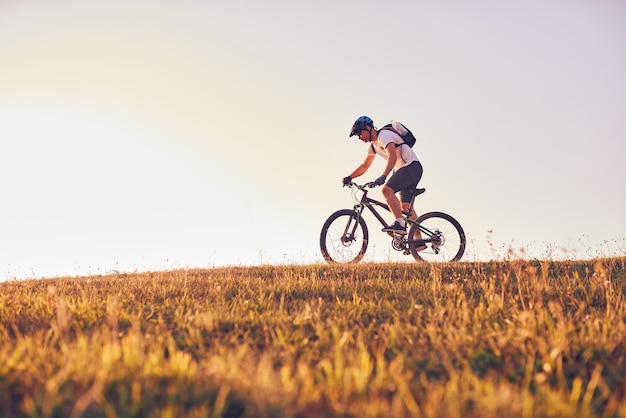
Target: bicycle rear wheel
x,y
344,237
445,236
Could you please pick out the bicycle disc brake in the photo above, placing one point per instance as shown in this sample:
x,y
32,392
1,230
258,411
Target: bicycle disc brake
x,y
437,241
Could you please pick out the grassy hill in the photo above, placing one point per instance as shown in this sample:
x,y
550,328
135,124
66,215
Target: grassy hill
x,y
514,339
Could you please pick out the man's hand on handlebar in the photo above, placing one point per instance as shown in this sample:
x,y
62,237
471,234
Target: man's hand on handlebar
x,y
378,182
347,182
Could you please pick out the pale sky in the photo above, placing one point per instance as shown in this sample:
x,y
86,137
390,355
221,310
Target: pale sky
x,y
147,135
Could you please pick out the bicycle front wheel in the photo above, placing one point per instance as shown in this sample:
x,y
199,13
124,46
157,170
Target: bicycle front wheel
x,y
442,235
344,237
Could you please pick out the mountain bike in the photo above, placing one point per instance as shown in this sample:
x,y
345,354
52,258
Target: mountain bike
x,y
434,236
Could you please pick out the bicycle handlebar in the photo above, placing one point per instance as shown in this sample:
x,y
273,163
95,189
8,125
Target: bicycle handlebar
x,y
369,184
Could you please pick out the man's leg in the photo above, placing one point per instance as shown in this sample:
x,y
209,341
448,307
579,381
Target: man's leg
x,y
402,179
413,216
392,201
405,207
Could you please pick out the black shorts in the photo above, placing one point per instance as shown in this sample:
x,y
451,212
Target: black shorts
x,y
406,178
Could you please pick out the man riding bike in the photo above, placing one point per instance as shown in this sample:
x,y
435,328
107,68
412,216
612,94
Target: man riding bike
x,y
407,169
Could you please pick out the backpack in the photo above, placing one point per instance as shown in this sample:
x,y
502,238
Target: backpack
x,y
404,132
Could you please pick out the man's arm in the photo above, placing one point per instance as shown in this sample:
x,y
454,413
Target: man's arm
x,y
364,166
391,158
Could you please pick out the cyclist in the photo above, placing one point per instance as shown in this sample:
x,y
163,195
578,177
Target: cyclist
x,y
407,169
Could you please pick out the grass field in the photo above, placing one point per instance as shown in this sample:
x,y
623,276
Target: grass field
x,y
496,339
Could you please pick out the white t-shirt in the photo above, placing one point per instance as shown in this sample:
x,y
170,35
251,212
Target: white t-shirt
x,y
404,154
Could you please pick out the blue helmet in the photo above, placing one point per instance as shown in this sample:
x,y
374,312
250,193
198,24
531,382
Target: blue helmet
x,y
360,124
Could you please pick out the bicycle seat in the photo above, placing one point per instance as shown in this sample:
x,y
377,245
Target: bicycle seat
x,y
415,192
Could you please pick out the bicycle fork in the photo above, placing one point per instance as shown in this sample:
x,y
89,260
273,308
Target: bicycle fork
x,y
349,232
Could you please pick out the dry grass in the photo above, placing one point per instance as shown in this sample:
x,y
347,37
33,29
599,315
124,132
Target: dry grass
x,y
515,339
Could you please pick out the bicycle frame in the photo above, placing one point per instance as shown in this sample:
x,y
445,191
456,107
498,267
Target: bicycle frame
x,y
368,202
